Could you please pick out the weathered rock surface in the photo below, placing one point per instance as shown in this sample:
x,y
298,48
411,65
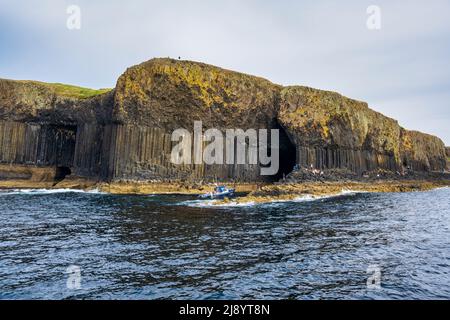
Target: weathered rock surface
x,y
125,133
332,131
170,94
422,152
447,151
29,101
310,190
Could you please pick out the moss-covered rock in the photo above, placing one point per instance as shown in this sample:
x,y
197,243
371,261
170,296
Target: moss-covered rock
x,y
324,118
172,94
422,152
32,101
337,132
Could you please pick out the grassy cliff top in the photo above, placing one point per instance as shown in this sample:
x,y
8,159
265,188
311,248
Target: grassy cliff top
x,y
67,90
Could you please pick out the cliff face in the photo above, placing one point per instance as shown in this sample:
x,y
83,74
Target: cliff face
x,y
169,94
422,152
447,150
40,124
331,131
156,97
29,101
125,133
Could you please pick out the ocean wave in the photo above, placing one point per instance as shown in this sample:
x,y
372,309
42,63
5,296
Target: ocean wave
x,y
47,191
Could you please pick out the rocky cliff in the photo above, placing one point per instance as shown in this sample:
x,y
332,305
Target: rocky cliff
x,y
32,101
125,133
332,131
169,94
447,149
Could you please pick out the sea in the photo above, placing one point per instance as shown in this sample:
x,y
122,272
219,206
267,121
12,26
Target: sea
x,y
71,244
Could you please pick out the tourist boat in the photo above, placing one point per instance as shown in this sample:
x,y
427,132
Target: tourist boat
x,y
220,192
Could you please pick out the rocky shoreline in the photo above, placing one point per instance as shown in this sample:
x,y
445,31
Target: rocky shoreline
x,y
124,187
317,183
120,140
290,192
252,193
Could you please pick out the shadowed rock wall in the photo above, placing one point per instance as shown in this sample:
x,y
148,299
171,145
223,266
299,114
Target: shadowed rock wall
x,y
34,144
144,153
447,150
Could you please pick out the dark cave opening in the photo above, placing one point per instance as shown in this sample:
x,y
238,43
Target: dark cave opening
x,y
62,173
63,141
288,154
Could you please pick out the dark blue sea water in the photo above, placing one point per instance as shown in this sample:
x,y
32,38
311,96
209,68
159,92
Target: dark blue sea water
x,y
151,247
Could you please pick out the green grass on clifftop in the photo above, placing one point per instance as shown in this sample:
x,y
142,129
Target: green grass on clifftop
x,y
67,90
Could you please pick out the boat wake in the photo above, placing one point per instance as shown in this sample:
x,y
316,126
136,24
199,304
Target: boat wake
x,y
300,199
214,204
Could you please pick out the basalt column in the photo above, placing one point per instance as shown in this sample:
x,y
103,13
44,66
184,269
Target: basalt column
x,y
35,144
144,153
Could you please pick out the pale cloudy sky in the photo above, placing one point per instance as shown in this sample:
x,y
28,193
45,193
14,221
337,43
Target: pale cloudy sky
x,y
402,70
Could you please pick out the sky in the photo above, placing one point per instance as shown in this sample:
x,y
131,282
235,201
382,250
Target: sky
x,y
401,69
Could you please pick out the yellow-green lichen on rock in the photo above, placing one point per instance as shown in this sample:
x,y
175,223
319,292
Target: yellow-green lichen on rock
x,y
337,120
422,152
170,94
324,121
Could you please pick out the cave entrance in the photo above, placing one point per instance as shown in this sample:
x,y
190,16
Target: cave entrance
x,y
62,173
288,154
62,141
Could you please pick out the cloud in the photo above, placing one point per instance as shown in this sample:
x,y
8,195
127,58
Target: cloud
x,y
401,70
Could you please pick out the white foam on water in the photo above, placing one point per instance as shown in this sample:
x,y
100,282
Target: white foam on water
x,y
303,198
441,188
216,204
310,197
213,204
47,191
